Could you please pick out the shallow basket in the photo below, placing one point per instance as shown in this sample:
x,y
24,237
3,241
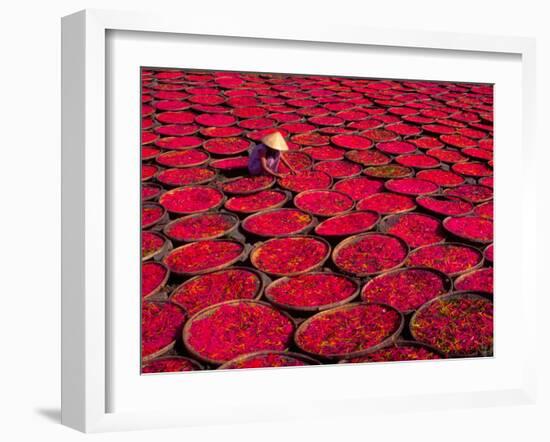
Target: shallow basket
x,y
298,356
311,309
258,245
208,311
471,294
301,231
227,232
241,257
391,338
355,238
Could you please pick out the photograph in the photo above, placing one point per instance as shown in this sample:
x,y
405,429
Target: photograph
x,y
296,220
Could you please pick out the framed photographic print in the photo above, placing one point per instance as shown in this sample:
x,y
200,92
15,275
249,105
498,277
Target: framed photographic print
x,y
251,211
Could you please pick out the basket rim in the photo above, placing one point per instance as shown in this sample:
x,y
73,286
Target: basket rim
x,y
208,310
391,338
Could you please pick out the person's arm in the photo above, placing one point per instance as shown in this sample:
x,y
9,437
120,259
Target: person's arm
x,y
266,168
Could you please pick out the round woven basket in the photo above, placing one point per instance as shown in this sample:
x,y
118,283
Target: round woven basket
x,y
186,333
310,309
391,338
258,245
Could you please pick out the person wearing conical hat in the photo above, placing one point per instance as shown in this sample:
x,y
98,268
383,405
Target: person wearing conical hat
x,y
266,155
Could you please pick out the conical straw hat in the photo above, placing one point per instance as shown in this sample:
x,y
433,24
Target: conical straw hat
x,y
275,141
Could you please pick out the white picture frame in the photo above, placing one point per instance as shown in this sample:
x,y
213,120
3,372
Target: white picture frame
x,y
88,168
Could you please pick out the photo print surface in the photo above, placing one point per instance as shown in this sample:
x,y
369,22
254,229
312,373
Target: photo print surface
x,y
301,220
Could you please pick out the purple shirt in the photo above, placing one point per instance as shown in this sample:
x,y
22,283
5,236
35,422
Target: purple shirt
x,y
255,159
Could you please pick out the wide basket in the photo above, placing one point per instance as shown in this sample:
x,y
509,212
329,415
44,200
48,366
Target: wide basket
x,y
255,250
241,257
303,230
247,357
391,338
234,221
414,317
186,333
311,309
353,239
